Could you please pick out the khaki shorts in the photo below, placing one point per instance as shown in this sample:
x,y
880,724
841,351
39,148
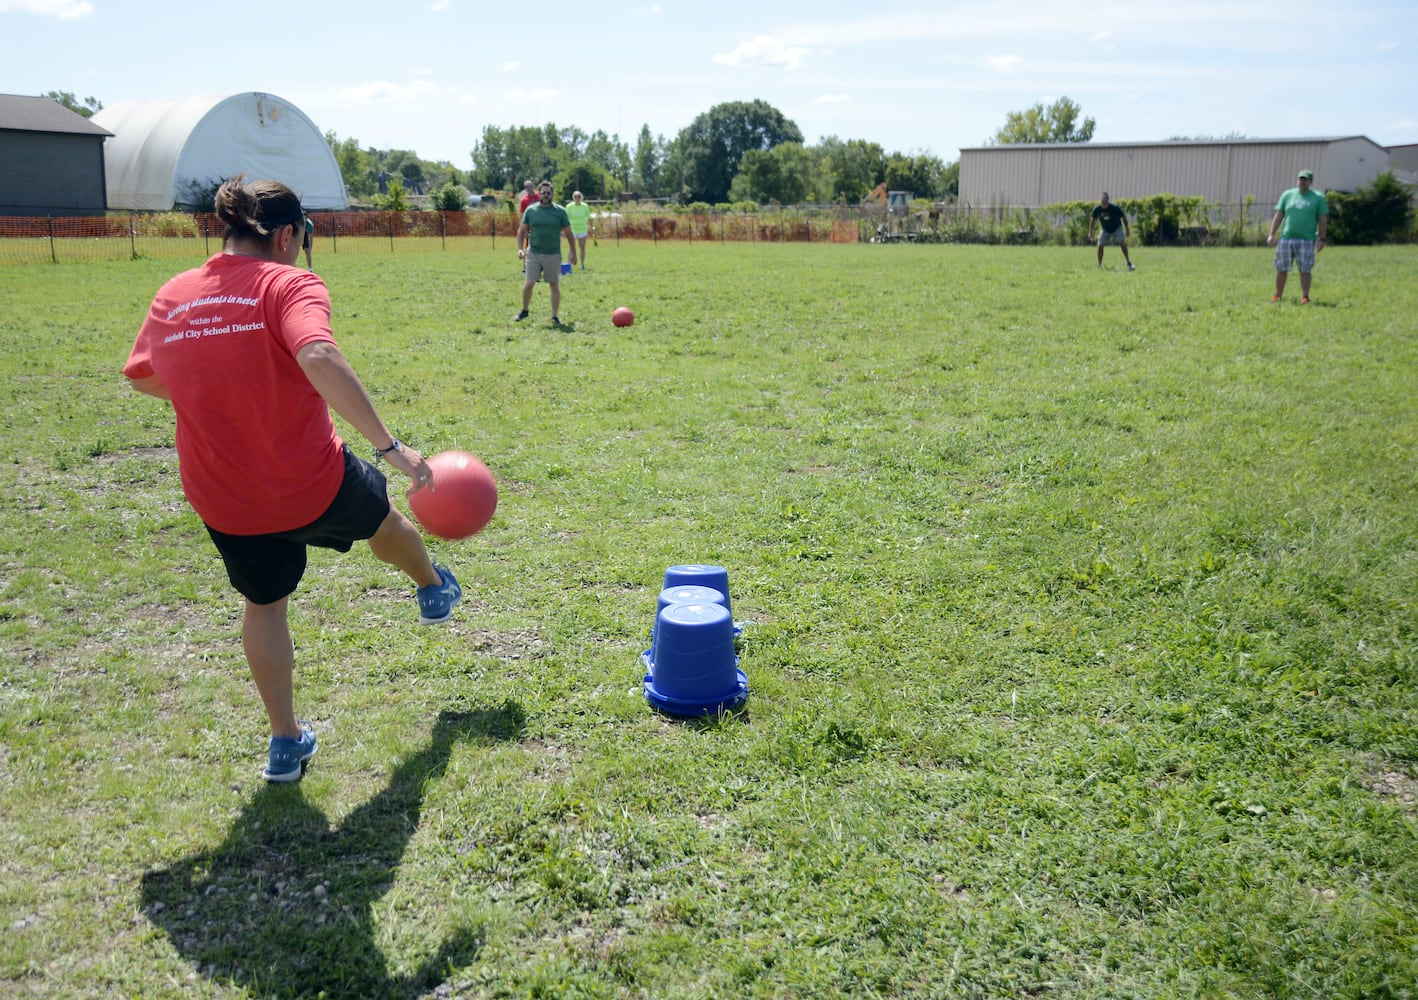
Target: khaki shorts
x,y
544,265
1116,238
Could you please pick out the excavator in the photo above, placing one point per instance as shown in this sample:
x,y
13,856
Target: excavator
x,y
897,210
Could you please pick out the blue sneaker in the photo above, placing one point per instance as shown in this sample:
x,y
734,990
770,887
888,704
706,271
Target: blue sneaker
x,y
288,757
436,600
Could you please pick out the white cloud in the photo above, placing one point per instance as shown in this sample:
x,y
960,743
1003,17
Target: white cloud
x,y
1002,64
384,90
511,66
1406,126
831,99
440,6
65,10
655,10
1387,47
530,95
763,51
1101,36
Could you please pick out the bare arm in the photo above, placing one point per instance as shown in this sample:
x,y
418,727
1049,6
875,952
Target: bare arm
x,y
521,238
1275,226
570,241
331,375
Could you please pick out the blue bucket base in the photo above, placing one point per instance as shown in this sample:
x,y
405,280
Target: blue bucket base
x,y
674,706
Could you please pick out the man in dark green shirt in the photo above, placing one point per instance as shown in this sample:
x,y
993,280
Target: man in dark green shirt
x,y
544,223
1110,218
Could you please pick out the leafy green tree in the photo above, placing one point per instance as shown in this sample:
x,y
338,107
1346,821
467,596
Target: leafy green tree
x,y
354,165
848,168
919,174
950,180
591,179
782,174
649,158
712,146
86,107
1059,122
609,154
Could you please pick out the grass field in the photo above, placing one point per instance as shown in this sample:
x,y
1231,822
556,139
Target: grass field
x,y
1080,630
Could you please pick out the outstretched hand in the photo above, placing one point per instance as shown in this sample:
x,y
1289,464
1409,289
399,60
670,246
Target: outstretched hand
x,y
412,464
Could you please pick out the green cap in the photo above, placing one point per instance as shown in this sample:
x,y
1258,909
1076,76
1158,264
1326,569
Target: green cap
x,y
1309,175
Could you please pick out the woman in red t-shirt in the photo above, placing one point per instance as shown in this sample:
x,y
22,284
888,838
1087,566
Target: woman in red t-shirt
x,y
242,348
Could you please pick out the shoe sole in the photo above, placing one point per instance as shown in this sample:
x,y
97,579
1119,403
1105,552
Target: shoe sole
x,y
286,776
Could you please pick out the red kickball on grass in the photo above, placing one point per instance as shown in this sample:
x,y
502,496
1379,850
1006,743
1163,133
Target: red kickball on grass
x,y
622,317
461,499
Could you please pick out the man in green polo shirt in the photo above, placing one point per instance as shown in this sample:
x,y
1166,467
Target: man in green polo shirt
x,y
1302,220
544,223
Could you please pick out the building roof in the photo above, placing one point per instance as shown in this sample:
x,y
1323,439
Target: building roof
x,y
1172,142
43,114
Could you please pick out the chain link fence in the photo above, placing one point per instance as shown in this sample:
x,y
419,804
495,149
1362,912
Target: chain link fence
x,y
196,236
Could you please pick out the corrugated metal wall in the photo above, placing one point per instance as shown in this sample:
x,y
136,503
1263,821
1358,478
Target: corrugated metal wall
x,y
1224,172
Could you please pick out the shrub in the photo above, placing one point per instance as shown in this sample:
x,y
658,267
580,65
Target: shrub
x,y
448,198
1378,212
165,224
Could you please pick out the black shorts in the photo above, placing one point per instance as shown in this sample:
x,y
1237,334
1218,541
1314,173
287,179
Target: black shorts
x,y
266,568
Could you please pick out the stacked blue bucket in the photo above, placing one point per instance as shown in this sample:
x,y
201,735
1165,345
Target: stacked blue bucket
x,y
691,665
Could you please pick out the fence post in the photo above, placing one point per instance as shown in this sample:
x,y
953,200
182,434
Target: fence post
x,y
53,257
617,229
443,228
390,217
654,230
132,239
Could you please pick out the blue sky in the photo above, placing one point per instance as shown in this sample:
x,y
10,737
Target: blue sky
x,y
428,75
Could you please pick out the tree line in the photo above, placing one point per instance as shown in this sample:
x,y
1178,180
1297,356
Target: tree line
x,y
736,152
740,151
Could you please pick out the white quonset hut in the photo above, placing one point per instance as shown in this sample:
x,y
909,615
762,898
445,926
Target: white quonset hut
x,y
1223,171
172,153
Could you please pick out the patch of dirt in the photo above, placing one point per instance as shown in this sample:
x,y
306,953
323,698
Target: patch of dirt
x,y
1396,785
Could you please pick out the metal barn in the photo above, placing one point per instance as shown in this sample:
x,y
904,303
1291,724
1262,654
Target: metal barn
x,y
51,159
1031,175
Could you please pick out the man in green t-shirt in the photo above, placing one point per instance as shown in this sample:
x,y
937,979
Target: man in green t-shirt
x,y
1109,218
1301,220
544,223
580,215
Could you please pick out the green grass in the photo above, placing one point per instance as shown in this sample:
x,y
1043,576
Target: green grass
x,y
1080,635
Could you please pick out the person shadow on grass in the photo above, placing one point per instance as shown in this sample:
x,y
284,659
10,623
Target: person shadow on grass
x,y
284,907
